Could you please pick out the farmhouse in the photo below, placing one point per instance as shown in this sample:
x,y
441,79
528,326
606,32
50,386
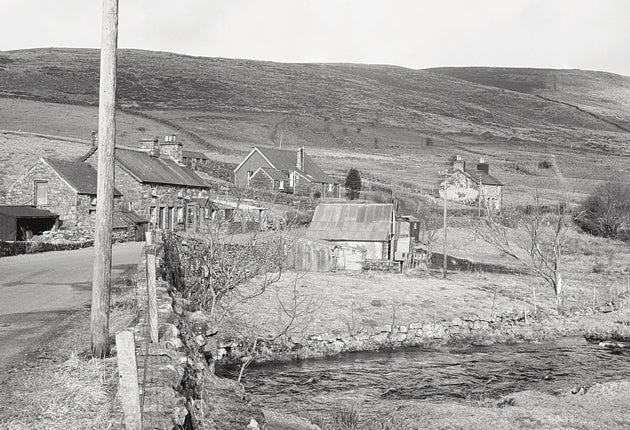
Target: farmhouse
x,y
155,183
284,170
473,186
66,188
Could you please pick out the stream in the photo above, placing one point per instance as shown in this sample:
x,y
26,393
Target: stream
x,y
372,379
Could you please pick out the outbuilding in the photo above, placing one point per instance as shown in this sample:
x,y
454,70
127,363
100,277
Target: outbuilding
x,y
23,222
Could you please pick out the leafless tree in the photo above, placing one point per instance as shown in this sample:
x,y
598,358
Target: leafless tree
x,y
534,238
430,224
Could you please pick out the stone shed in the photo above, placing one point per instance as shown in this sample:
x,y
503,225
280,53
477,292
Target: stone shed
x,y
64,187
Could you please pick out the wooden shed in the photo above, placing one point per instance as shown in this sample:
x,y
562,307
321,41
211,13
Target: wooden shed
x,y
22,222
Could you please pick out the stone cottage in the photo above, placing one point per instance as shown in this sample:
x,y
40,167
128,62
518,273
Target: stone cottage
x,y
66,188
470,186
155,183
284,170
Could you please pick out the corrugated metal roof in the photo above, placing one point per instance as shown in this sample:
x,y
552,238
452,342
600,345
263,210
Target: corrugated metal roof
x,y
157,170
26,212
283,159
81,176
194,154
352,222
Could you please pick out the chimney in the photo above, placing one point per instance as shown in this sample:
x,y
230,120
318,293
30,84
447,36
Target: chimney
x,y
172,148
483,166
459,163
150,146
300,159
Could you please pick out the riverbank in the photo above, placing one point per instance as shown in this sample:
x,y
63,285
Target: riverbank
x,y
368,311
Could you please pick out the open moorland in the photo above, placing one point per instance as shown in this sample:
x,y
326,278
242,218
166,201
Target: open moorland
x,y
396,125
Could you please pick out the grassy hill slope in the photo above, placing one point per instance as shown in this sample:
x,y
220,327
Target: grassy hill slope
x,y
397,125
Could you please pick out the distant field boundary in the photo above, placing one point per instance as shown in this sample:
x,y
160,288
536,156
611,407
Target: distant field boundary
x,y
46,136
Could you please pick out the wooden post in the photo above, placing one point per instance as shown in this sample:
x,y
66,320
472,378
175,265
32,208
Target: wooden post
x,y
445,259
152,295
101,280
128,379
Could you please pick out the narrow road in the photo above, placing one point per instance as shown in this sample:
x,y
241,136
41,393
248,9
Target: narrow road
x,y
39,291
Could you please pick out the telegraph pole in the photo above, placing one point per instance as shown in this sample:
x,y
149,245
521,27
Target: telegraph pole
x,y
101,279
445,259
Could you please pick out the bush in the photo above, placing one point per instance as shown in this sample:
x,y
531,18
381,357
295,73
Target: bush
x,y
605,211
545,164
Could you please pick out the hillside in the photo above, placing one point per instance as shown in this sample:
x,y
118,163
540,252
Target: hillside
x,y
398,125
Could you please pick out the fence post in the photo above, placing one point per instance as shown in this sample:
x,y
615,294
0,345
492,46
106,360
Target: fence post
x,y
152,295
128,374
148,237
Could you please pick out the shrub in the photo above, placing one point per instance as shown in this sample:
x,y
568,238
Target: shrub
x,y
545,164
606,210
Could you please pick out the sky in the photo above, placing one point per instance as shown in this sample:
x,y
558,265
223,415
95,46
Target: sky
x,y
582,34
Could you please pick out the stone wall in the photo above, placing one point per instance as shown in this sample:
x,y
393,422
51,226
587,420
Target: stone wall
x,y
460,331
62,199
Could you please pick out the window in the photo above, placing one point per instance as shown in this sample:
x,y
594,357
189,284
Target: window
x,y
41,193
93,201
152,214
154,190
281,186
181,193
180,215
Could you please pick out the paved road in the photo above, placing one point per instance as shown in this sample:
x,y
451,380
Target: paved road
x,y
38,292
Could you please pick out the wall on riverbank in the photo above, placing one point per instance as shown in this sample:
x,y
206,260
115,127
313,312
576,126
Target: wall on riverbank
x,y
459,331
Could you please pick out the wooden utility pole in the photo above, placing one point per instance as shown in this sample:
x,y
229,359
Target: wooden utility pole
x,y
101,279
445,258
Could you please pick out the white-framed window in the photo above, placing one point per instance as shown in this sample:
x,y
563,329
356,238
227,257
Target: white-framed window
x,y
93,201
182,192
281,186
180,214
154,190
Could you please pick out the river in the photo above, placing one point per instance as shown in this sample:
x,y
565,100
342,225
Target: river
x,y
372,379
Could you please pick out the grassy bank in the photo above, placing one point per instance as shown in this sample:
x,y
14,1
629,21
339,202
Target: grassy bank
x,y
59,386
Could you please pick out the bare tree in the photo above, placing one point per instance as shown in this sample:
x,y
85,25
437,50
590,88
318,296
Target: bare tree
x,y
534,238
430,224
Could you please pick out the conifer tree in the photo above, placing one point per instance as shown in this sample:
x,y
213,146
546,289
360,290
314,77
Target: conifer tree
x,y
353,184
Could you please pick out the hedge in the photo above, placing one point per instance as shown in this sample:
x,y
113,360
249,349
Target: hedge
x,y
24,247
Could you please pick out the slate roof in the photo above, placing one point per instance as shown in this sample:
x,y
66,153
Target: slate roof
x,y
122,219
26,212
194,154
284,159
81,176
157,170
274,174
362,222
486,179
